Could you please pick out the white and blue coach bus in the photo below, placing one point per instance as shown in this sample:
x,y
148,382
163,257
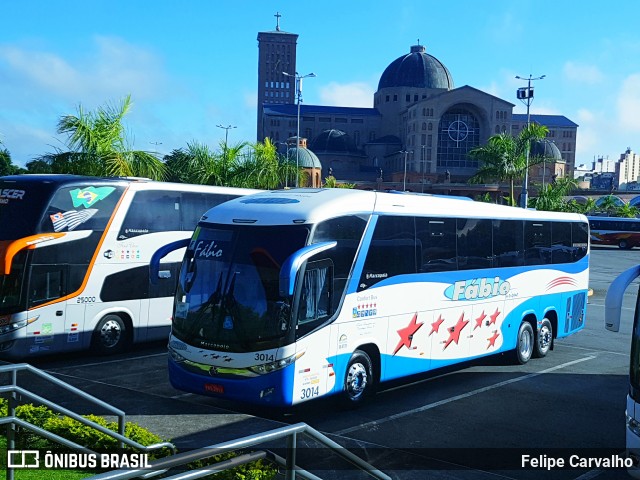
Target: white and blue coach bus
x,y
286,296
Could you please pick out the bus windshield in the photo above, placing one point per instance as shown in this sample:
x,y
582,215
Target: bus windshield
x,y
228,293
11,298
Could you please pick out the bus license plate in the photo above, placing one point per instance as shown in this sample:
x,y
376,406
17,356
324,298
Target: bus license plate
x,y
214,388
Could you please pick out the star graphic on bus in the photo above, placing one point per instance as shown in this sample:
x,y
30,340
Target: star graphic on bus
x,y
406,333
479,320
435,326
454,335
494,316
492,339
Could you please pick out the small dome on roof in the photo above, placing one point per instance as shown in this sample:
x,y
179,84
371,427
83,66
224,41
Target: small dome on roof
x,y
416,69
305,157
545,148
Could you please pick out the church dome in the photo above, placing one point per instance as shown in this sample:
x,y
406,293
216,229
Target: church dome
x,y
334,141
417,69
305,157
545,148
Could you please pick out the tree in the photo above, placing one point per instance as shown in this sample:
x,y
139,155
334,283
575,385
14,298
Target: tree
x,y
552,196
504,157
6,165
628,211
98,145
608,204
262,167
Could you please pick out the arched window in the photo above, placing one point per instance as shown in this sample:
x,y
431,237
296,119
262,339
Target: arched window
x,y
458,132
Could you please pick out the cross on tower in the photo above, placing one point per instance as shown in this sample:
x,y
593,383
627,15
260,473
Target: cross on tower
x,y
277,15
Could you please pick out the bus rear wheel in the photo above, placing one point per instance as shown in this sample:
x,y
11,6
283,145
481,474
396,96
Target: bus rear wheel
x,y
358,381
524,344
544,339
625,245
110,335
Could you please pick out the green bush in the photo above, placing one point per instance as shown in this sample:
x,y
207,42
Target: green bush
x,y
89,437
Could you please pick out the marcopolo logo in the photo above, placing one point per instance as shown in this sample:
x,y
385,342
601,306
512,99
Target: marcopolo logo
x,y
477,288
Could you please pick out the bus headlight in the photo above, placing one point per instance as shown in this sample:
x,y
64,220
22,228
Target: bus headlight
x,y
633,425
10,327
275,366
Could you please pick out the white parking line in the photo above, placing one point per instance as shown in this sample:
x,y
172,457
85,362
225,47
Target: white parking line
x,y
460,397
129,359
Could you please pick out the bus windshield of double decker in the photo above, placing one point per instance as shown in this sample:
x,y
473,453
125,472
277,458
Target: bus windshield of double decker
x,y
30,277
228,292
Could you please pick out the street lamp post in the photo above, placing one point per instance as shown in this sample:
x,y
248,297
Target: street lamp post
x,y
423,168
298,79
226,140
525,95
404,182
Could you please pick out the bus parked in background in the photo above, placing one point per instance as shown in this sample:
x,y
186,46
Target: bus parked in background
x,y
74,259
612,313
288,296
623,232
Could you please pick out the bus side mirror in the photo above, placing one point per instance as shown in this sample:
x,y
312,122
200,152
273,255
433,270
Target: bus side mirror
x,y
154,263
613,300
293,263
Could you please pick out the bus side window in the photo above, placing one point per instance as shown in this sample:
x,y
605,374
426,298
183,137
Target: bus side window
x,y
315,302
580,239
474,243
508,243
392,251
47,283
562,250
537,242
437,238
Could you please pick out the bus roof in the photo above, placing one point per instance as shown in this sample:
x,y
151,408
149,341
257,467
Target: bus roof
x,y
135,182
306,205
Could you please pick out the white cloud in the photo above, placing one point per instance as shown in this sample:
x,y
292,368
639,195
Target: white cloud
x,y
582,73
628,103
112,69
357,94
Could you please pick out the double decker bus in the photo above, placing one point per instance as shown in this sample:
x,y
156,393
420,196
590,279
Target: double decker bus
x,y
287,296
612,316
74,259
623,232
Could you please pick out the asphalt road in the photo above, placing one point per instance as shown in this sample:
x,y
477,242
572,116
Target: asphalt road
x,y
471,422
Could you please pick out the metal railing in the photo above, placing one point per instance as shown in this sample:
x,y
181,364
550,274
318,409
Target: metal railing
x,y
292,470
16,393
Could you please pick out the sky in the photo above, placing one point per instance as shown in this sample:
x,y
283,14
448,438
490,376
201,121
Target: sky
x,y
191,66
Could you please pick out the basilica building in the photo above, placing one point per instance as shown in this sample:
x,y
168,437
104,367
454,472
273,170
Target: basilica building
x,y
418,130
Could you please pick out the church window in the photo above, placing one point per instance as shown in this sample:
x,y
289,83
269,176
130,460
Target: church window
x,y
497,128
424,125
429,140
424,112
395,98
430,126
415,98
387,98
458,132
356,137
407,98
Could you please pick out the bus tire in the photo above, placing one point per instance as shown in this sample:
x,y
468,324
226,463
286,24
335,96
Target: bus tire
x,y
110,335
625,245
358,379
524,343
544,339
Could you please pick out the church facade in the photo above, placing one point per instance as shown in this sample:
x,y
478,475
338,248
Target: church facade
x,y
419,128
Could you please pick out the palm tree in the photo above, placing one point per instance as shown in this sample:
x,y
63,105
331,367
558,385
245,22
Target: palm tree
x,y
628,211
263,167
552,196
608,204
98,146
504,157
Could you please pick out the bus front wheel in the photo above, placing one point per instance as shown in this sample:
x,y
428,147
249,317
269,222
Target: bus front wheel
x,y
544,338
110,335
625,245
525,343
358,382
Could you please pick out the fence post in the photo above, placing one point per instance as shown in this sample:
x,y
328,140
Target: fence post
x,y
291,457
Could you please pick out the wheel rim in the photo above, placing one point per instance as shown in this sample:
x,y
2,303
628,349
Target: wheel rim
x,y
526,343
110,333
623,244
357,381
544,338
